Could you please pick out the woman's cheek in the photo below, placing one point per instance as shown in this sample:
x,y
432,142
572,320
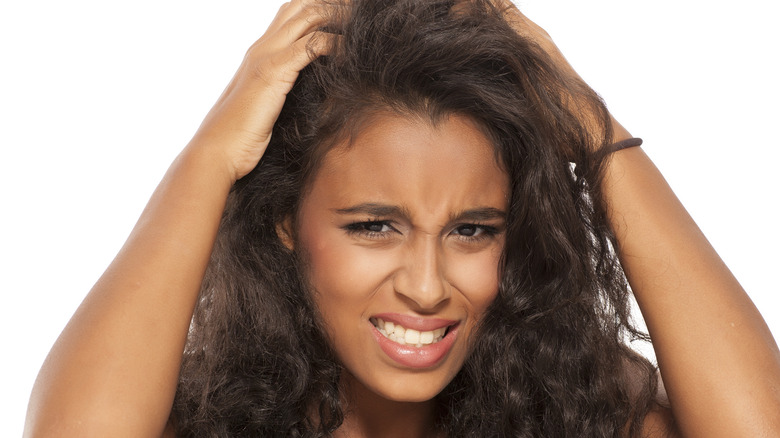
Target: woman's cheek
x,y
476,276
344,271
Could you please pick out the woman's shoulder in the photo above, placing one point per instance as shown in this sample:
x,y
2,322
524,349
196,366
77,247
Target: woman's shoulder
x,y
659,421
169,432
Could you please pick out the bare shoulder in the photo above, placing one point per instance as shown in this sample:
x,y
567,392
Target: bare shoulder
x,y
169,431
659,421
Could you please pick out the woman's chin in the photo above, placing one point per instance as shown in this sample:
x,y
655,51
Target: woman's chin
x,y
406,389
408,396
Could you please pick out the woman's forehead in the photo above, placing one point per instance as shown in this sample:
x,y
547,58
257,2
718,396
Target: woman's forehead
x,y
400,159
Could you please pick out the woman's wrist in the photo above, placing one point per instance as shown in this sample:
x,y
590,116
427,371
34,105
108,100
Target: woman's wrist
x,y
619,133
206,159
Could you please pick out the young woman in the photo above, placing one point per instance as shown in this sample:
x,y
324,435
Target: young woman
x,y
410,218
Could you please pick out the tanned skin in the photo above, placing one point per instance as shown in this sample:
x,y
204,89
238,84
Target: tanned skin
x,y
114,369
719,361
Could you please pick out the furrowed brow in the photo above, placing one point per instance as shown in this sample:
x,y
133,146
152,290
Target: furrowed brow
x,y
479,214
373,209
384,210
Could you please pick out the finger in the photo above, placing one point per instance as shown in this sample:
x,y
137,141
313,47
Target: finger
x,y
284,35
282,78
287,10
299,17
281,69
271,60
309,48
306,21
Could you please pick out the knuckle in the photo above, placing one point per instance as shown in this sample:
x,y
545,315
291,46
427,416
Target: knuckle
x,y
252,52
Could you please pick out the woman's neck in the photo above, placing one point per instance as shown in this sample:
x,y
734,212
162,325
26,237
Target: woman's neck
x,y
366,414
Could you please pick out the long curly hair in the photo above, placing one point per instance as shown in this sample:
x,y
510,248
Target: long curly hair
x,y
551,352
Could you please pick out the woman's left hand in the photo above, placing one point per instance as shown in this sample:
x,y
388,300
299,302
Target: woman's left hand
x,y
528,29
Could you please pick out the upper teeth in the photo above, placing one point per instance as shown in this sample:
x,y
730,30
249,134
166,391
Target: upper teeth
x,y
403,335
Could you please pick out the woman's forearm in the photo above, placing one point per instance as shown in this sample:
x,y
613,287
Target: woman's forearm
x,y
113,371
719,362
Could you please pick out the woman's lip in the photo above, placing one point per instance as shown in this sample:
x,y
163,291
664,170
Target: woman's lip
x,y
416,357
415,322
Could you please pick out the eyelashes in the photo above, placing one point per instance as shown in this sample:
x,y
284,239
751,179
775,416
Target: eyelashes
x,y
370,228
383,229
475,233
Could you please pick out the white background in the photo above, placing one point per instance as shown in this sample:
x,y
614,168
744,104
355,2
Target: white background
x,y
97,98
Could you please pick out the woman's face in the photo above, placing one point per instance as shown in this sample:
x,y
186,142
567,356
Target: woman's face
x,y
402,232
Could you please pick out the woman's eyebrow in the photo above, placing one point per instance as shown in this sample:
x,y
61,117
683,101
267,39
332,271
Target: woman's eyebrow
x,y
384,210
478,214
374,209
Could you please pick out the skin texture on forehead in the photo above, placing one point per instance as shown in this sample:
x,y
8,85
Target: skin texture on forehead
x,y
412,145
431,191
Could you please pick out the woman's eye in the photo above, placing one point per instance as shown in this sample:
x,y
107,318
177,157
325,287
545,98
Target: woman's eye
x,y
375,227
474,232
468,230
369,228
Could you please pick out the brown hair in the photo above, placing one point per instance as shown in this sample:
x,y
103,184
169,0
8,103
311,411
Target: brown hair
x,y
551,349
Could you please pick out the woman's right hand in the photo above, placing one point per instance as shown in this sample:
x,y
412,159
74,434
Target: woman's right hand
x,y
114,369
238,128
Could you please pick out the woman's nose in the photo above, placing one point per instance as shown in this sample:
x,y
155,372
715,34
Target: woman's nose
x,y
421,277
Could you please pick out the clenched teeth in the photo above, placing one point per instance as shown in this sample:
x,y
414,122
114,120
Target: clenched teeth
x,y
403,336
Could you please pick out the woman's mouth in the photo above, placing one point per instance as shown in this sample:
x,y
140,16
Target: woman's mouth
x,y
402,335
414,342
